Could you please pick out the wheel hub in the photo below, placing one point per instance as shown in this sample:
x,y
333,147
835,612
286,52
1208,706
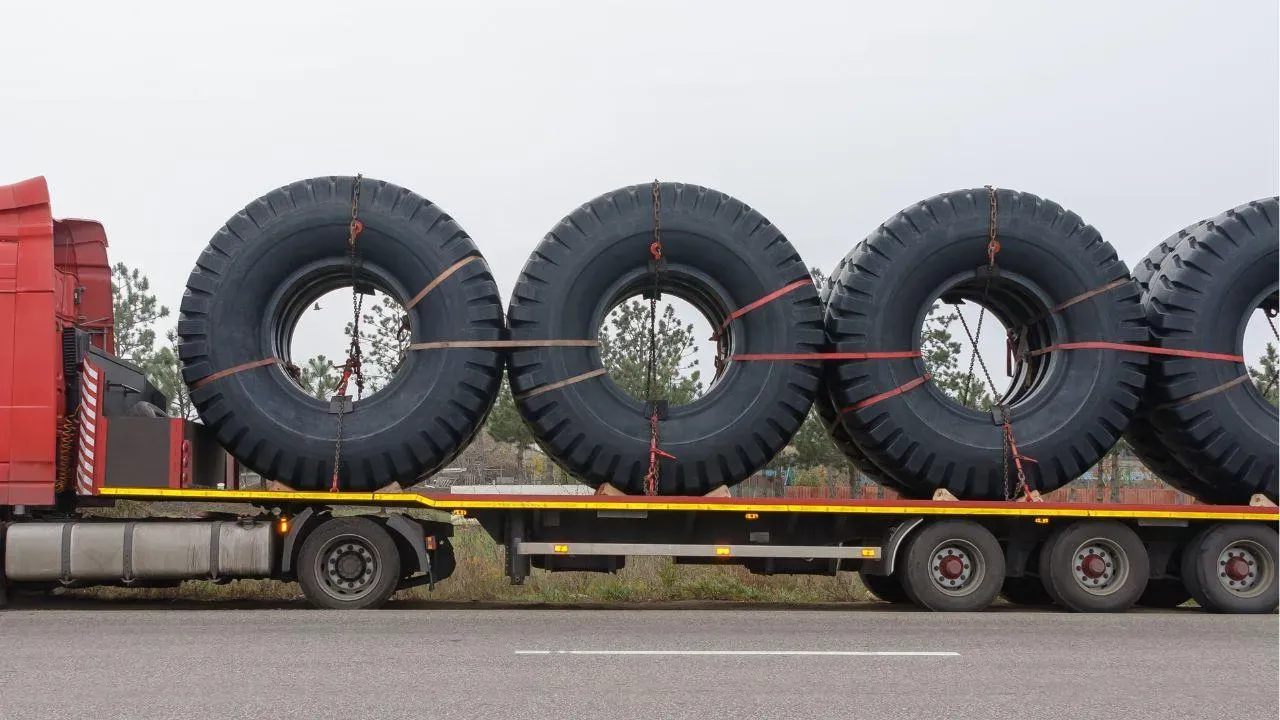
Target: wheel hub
x,y
1093,566
1238,569
1098,567
349,568
952,568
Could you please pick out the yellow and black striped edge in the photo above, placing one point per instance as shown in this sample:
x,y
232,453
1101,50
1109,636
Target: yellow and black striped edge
x,y
449,503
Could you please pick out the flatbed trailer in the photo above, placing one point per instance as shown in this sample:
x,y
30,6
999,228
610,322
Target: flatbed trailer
x,y
81,428
942,555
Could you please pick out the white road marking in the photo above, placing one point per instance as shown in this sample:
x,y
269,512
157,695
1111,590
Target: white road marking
x,y
836,653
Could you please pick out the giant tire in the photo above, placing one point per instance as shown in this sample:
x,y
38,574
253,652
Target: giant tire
x,y
721,255
1201,299
279,255
1142,436
829,414
1067,408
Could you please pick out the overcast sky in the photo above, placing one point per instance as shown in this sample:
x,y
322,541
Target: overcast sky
x,y
161,120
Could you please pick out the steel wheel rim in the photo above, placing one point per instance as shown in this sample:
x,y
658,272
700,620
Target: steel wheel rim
x,y
1245,568
349,567
1099,566
956,567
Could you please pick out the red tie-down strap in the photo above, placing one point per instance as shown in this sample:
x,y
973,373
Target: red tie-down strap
x,y
718,335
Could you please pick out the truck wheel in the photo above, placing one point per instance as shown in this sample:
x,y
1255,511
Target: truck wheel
x,y
720,256
349,563
1231,568
1025,590
1201,299
1067,407
1164,593
1095,566
952,566
886,588
269,264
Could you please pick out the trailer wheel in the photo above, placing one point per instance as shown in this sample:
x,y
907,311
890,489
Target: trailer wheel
x,y
1095,566
1164,593
349,563
952,566
1232,568
1027,591
886,588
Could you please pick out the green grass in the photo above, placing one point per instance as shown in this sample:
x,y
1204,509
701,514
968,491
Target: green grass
x,y
479,578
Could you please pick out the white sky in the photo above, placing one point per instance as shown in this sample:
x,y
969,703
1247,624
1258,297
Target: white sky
x,y
163,119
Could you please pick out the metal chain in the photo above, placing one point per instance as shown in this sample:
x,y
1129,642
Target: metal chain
x,y
993,248
651,367
352,366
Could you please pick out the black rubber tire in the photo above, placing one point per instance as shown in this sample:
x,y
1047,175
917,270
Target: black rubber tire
x,y
1201,567
1201,299
720,255
1164,593
358,531
886,588
289,246
1057,566
1141,435
916,568
1027,591
829,414
1082,399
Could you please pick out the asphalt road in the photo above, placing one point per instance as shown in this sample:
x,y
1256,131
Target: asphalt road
x,y
158,662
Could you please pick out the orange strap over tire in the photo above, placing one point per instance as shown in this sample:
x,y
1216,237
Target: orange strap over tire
x,y
233,370
439,279
757,304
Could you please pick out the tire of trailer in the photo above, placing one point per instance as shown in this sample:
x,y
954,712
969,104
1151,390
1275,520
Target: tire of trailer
x,y
1141,434
1095,566
1028,591
1164,593
1201,299
829,414
1067,407
353,551
1210,559
952,566
720,255
275,258
886,588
